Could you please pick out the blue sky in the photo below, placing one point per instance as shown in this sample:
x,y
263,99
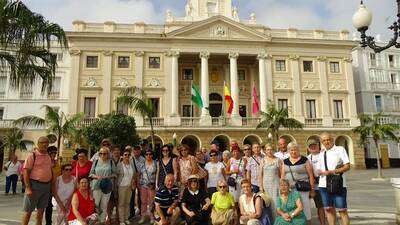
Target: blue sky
x,y
303,14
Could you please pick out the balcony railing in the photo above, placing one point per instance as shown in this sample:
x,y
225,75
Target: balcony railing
x,y
190,121
250,122
385,86
157,122
53,95
6,123
25,95
87,121
313,122
218,121
341,122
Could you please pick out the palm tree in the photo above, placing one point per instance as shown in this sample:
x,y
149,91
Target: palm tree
x,y
136,99
25,41
58,125
274,119
372,128
13,140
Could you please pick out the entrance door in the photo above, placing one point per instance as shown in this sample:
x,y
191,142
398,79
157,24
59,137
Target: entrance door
x,y
385,155
215,105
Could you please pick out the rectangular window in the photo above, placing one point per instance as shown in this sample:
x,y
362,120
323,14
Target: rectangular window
x,y
187,74
123,61
90,107
154,62
59,56
156,106
393,78
242,111
122,108
378,103
372,58
3,83
55,90
187,110
280,65
396,103
211,7
242,74
282,103
307,66
310,106
334,67
338,109
92,61
391,60
1,113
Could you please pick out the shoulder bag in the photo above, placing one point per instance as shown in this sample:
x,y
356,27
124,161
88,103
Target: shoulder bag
x,y
301,185
334,182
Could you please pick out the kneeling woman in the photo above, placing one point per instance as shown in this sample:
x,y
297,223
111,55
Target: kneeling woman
x,y
289,206
250,204
195,203
223,212
82,205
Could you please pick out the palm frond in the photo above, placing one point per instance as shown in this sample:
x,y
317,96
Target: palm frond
x,y
30,121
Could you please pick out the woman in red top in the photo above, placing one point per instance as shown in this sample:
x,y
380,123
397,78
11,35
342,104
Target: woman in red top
x,y
81,167
82,205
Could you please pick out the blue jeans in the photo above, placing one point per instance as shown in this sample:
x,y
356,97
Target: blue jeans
x,y
11,181
338,201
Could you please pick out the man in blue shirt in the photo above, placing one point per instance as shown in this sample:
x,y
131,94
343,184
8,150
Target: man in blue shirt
x,y
166,201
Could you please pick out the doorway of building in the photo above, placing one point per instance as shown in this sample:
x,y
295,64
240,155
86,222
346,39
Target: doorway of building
x,y
215,105
223,142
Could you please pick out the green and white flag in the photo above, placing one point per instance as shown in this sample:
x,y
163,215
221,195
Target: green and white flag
x,y
196,97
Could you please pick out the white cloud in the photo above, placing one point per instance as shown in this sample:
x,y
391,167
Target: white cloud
x,y
65,12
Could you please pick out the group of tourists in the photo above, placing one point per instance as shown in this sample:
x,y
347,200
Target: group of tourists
x,y
253,185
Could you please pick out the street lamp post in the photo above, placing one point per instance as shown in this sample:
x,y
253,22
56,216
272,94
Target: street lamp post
x,y
362,20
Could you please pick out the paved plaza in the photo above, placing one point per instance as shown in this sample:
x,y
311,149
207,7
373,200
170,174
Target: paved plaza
x,y
370,202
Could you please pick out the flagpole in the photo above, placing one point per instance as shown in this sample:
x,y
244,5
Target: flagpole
x,y
223,100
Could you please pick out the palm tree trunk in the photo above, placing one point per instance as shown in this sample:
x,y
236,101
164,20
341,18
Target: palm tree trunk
x,y
378,160
153,143
58,145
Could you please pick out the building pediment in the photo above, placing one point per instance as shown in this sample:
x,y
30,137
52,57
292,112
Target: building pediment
x,y
218,28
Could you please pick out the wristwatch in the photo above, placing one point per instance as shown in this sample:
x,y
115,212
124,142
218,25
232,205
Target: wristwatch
x,y
292,215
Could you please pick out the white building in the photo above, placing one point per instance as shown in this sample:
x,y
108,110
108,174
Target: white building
x,y
377,86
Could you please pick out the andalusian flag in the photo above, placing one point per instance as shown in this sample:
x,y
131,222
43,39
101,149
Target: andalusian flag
x,y
196,97
228,99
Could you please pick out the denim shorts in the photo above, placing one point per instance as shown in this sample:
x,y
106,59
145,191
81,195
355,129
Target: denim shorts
x,y
338,201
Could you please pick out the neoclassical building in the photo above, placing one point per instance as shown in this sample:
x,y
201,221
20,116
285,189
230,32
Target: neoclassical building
x,y
377,86
308,71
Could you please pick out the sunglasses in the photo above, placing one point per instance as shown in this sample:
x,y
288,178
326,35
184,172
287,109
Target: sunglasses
x,y
212,155
246,149
106,144
127,154
149,154
68,169
222,186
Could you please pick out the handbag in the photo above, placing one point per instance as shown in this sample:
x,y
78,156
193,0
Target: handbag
x,y
231,180
301,185
334,182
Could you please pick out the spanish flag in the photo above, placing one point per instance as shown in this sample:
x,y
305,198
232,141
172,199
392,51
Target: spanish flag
x,y
228,99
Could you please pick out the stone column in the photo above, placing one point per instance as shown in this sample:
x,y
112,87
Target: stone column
x,y
74,81
263,80
139,65
235,117
205,118
297,102
396,185
327,120
107,81
270,86
174,119
352,112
